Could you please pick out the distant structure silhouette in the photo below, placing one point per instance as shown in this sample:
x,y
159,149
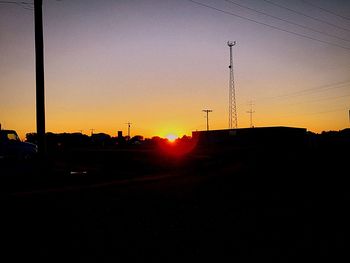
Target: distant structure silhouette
x,y
232,97
128,123
207,112
251,114
263,138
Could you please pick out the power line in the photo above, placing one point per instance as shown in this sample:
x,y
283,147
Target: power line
x,y
317,100
287,21
268,25
328,111
305,15
308,92
311,90
14,2
316,113
329,98
17,3
325,10
24,5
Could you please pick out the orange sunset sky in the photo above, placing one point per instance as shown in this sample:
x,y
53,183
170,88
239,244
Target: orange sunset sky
x,y
158,63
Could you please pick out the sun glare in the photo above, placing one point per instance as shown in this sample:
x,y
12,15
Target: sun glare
x,y
171,137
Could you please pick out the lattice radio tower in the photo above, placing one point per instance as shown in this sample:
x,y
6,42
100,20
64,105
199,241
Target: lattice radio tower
x,y
232,97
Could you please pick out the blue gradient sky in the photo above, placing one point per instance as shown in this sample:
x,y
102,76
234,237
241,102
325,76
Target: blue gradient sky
x,y
158,63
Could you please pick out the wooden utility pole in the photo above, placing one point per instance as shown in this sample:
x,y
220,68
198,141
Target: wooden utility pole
x,y
39,63
207,111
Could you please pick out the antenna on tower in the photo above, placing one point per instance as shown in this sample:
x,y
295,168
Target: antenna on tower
x,y
232,123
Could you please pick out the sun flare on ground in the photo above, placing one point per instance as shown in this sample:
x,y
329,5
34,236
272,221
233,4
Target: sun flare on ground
x,y
171,137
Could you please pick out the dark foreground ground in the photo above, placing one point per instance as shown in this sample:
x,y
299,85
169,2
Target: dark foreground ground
x,y
142,206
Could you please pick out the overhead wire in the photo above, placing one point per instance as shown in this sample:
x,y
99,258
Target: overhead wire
x,y
305,15
328,111
24,5
322,99
16,3
326,10
9,2
308,91
316,113
298,93
268,25
287,21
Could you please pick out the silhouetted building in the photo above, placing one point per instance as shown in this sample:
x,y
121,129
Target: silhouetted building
x,y
262,137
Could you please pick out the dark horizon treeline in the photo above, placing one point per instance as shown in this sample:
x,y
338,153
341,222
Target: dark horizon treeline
x,y
330,139
66,141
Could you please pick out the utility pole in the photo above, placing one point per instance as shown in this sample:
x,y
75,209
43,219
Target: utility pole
x,y
39,70
232,123
207,111
128,123
251,114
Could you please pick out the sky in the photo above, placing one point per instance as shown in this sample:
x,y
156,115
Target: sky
x,y
159,63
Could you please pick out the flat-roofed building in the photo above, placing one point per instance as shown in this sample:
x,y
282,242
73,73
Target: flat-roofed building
x,y
261,137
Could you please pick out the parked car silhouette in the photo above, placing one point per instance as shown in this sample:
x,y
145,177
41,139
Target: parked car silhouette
x,y
12,147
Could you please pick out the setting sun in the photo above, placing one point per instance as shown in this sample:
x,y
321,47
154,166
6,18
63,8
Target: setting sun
x,y
171,137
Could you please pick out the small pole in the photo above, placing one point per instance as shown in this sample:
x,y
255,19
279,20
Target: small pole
x,y
251,114
207,112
